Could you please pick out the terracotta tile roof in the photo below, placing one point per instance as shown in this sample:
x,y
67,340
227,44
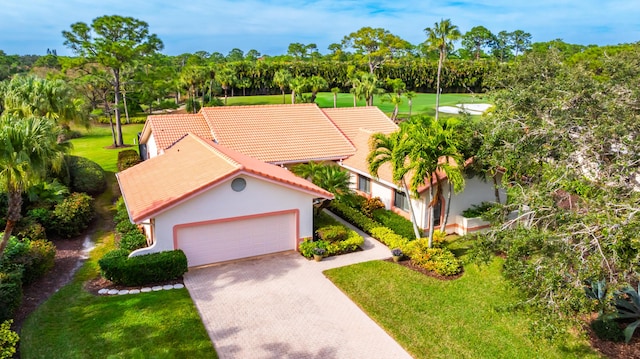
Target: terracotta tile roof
x,y
359,161
191,165
167,129
351,119
278,133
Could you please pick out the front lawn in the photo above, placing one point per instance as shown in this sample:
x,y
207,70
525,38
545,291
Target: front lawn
x,y
95,140
470,317
76,324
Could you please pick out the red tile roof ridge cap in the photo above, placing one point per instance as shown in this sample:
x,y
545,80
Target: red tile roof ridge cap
x,y
221,108
335,125
216,151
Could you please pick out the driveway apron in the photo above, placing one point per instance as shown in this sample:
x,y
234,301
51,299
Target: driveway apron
x,y
282,306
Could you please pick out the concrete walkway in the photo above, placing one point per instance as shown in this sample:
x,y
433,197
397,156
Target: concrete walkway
x,y
282,306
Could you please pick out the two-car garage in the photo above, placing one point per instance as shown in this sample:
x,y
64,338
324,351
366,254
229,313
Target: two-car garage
x,y
233,238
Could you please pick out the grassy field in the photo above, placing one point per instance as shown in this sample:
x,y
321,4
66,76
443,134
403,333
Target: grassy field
x,y
422,104
464,318
74,323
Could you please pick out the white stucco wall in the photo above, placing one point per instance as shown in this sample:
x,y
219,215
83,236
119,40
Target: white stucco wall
x,y
152,147
259,196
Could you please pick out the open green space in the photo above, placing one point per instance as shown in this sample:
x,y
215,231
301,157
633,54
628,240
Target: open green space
x,y
74,323
469,317
422,103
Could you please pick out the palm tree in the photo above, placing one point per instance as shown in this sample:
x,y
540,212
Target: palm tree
x,y
282,78
335,91
396,100
192,77
29,95
28,148
431,149
389,149
226,77
329,177
441,37
410,95
316,83
298,85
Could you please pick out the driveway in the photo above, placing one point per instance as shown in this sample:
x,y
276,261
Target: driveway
x,y
282,306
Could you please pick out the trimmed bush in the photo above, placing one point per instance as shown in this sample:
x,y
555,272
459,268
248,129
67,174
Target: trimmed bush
x,y
333,233
8,340
348,245
395,222
31,229
36,257
354,216
73,215
85,175
369,205
128,158
117,267
389,238
439,260
125,226
132,241
10,290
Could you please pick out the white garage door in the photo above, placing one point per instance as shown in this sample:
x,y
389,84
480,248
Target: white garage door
x,y
223,241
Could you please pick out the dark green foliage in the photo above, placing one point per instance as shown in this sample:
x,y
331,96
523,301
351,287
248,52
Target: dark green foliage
x,y
597,290
627,302
73,215
333,233
369,205
354,216
477,210
85,175
36,257
30,228
193,106
133,240
8,340
128,158
607,329
125,226
10,290
117,267
395,222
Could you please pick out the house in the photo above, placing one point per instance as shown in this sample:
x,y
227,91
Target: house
x,y
217,204
184,195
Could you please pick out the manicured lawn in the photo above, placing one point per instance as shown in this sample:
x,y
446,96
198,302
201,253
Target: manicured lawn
x,y
422,104
465,318
95,140
76,324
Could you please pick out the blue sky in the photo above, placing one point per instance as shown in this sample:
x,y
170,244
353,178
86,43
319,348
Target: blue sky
x,y
269,26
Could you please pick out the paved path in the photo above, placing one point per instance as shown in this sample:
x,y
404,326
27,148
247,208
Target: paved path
x,y
282,306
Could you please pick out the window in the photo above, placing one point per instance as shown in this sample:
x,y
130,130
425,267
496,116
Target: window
x,y
364,184
401,201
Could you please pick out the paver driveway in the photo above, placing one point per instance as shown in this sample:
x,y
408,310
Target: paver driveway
x,y
282,306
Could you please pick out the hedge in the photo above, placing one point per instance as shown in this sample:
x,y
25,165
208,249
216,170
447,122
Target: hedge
x,y
389,238
395,222
348,245
128,158
354,216
117,267
10,290
85,175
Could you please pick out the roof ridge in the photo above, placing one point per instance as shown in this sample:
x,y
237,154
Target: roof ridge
x,y
217,151
221,108
335,125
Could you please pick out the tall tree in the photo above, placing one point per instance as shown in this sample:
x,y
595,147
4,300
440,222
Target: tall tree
x,y
28,148
316,83
335,91
501,46
377,45
114,42
282,78
441,37
410,95
476,39
520,41
431,150
389,149
235,55
298,86
227,78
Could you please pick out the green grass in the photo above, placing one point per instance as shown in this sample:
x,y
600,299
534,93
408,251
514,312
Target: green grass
x,y
469,317
76,324
95,141
423,103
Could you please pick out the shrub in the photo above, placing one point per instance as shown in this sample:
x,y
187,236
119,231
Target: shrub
x,y
607,329
439,260
117,267
477,210
132,241
8,340
389,238
35,257
121,211
395,222
30,228
333,233
10,290
439,238
350,244
73,215
354,216
85,175
369,205
128,158
126,226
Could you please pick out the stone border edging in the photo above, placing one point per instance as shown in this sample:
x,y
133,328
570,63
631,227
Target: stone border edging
x,y
106,291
